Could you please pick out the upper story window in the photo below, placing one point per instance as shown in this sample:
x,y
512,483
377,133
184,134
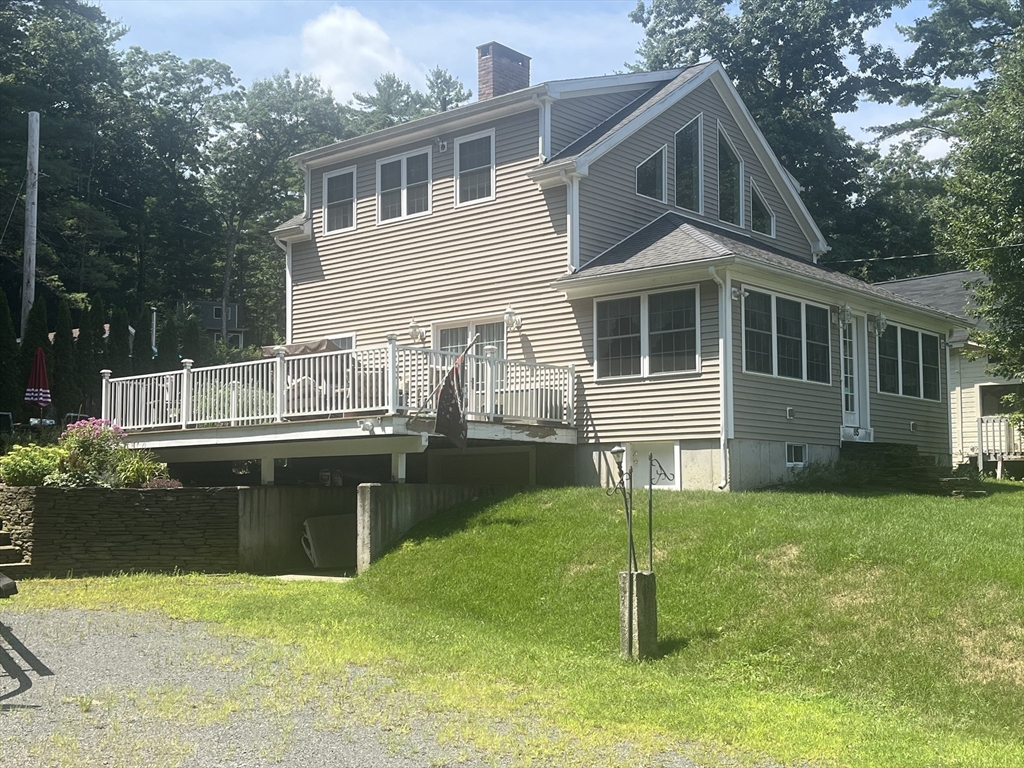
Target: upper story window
x,y
403,186
785,337
339,200
908,363
688,165
648,334
650,176
761,217
474,168
730,181
218,312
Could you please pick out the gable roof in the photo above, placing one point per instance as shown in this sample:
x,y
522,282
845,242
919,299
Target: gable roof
x,y
497,106
673,240
578,156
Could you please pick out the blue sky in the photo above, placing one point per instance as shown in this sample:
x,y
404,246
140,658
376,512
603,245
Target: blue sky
x,y
349,44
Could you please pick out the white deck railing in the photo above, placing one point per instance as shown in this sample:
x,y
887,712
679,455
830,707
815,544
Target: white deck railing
x,y
997,437
392,379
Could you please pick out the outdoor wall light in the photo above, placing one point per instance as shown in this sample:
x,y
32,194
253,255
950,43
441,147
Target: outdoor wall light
x,y
513,322
739,293
416,333
880,324
366,425
844,316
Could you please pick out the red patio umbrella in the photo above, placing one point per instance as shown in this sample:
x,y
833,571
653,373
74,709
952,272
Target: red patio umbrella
x,y
38,391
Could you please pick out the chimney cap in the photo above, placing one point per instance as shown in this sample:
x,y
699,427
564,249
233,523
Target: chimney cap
x,y
488,49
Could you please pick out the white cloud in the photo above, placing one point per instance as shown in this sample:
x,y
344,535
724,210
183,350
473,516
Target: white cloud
x,y
349,51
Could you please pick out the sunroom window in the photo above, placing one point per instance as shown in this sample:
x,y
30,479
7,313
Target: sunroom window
x,y
650,177
650,334
908,363
785,337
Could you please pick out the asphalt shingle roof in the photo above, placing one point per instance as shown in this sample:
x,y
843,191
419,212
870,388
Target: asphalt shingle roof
x,y
673,239
945,292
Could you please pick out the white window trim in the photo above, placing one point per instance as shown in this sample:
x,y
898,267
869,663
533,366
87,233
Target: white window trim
x,y
755,190
796,464
342,335
430,185
804,303
645,337
899,363
494,166
664,175
718,164
218,313
471,323
323,200
700,166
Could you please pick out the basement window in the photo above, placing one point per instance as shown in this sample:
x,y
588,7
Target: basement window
x,y
796,454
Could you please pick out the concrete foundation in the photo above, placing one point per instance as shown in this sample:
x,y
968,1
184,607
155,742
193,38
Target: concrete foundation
x,y
759,463
638,615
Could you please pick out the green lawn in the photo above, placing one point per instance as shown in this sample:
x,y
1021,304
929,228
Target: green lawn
x,y
805,628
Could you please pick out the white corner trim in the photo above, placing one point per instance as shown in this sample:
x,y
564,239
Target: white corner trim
x,y
573,224
289,305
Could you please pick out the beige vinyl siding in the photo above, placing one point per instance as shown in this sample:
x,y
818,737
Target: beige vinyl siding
x,y
456,263
610,209
891,415
760,400
965,377
573,117
676,407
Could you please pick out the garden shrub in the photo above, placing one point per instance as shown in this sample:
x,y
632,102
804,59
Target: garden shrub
x,y
29,464
137,468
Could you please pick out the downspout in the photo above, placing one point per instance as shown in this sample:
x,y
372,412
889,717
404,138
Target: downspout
x,y
724,372
544,128
572,220
286,246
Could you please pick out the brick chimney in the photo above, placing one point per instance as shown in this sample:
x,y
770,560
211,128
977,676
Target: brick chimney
x,y
500,70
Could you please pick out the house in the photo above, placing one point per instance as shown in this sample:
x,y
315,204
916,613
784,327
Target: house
x,y
981,432
628,262
210,320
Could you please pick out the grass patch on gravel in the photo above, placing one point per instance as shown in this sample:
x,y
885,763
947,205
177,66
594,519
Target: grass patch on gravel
x,y
802,628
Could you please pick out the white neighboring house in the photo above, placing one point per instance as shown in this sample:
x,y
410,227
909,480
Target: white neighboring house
x,y
981,433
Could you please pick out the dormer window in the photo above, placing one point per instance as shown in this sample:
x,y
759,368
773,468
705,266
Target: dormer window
x,y
339,200
730,181
761,217
650,176
403,186
474,168
688,166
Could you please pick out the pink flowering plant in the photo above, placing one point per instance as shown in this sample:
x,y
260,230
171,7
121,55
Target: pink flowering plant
x,y
95,455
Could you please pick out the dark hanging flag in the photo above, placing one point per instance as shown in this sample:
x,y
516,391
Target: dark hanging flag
x,y
451,405
38,391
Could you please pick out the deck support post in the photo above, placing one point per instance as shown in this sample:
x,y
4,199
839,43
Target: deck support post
x,y
570,397
186,392
267,471
398,467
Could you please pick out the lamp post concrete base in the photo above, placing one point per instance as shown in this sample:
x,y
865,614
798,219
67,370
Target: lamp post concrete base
x,y
638,622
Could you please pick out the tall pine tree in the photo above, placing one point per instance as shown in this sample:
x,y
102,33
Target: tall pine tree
x,y
119,344
167,357
64,379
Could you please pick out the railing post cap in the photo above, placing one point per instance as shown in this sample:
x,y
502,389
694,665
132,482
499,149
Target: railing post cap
x,y
187,363
392,336
105,373
490,350
280,351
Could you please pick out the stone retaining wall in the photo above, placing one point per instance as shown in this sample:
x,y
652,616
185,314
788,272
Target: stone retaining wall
x,y
94,530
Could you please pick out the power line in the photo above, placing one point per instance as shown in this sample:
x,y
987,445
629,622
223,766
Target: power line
x,y
17,197
921,255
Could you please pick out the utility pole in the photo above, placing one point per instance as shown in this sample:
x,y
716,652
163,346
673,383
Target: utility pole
x,y
28,285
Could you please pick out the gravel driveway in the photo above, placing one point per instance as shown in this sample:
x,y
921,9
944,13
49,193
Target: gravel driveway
x,y
94,688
